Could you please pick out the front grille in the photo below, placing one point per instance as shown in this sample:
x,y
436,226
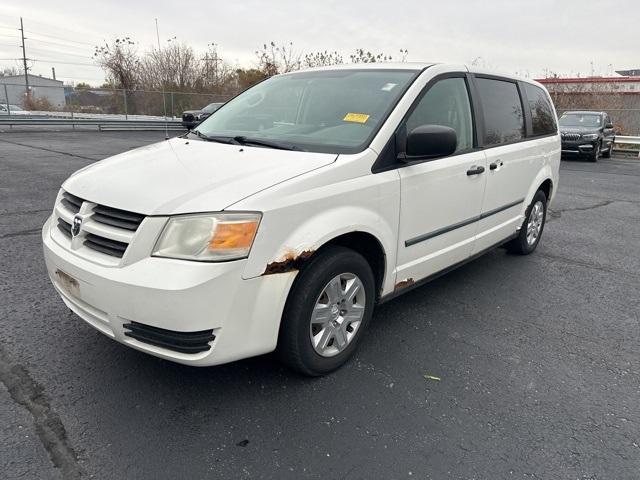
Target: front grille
x,y
104,229
71,202
188,117
117,218
183,342
571,136
64,227
105,245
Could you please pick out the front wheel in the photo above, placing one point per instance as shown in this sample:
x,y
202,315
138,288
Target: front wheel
x,y
532,227
596,153
607,153
328,309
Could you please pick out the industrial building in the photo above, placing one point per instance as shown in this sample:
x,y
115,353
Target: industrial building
x,y
13,89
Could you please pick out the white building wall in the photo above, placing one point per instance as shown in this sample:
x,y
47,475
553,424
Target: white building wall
x,y
41,87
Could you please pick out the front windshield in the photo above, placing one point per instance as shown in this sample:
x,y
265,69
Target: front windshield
x,y
334,111
580,120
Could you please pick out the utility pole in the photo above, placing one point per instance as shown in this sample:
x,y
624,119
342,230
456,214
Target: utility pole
x,y
24,58
164,100
206,67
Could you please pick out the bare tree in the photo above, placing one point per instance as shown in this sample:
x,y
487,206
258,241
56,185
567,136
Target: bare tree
x,y
175,67
274,59
9,72
119,59
365,56
321,59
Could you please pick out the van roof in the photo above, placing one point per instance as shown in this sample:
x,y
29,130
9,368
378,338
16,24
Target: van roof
x,y
416,66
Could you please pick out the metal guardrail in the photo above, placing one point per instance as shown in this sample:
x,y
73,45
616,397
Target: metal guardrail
x,y
172,124
101,123
627,140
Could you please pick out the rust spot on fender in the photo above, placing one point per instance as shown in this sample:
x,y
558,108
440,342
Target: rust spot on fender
x,y
290,262
404,283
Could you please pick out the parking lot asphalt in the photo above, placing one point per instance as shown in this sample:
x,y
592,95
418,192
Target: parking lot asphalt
x,y
537,356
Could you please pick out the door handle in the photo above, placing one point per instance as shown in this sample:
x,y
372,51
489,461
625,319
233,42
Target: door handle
x,y
475,170
495,165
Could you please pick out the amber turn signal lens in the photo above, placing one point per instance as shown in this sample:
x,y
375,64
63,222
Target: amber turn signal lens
x,y
233,235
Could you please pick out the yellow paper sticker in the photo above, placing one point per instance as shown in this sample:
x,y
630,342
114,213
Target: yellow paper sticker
x,y
356,117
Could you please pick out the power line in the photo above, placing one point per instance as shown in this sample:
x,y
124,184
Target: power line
x,y
60,53
86,33
63,63
63,39
49,42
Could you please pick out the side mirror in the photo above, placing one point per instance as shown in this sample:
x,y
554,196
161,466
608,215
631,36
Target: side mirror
x,y
609,125
430,141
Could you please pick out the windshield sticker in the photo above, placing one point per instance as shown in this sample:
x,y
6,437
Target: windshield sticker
x,y
356,117
388,87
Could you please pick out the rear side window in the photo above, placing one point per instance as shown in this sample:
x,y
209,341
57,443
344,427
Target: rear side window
x,y
542,120
502,110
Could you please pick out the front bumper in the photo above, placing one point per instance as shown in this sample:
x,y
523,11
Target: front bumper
x,y
579,147
176,295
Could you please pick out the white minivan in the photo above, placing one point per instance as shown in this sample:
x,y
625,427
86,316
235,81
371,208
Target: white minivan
x,y
285,217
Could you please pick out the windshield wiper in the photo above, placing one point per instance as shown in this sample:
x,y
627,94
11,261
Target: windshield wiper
x,y
213,139
242,140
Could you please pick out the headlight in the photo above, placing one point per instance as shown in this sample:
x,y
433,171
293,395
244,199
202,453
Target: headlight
x,y
590,136
213,237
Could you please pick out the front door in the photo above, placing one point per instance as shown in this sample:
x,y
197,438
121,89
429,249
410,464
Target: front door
x,y
440,199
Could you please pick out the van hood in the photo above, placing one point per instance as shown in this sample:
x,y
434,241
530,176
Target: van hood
x,y
188,176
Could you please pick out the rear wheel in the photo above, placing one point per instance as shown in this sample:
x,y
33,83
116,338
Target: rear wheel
x,y
532,227
328,309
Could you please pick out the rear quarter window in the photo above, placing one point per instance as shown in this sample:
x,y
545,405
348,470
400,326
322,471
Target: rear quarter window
x,y
543,121
502,111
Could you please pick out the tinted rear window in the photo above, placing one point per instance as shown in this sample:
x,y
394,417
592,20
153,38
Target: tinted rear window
x,y
502,110
543,120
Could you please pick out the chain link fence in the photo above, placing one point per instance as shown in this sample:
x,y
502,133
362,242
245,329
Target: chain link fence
x,y
56,100
623,108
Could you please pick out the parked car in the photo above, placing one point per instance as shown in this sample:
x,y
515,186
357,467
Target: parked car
x,y
9,109
191,118
282,220
586,133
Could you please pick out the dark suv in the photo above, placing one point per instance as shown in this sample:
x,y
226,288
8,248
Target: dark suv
x,y
587,133
192,118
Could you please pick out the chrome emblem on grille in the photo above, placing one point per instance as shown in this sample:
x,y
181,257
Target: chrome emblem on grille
x,y
76,225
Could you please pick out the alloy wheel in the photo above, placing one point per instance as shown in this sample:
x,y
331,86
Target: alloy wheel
x,y
337,314
534,224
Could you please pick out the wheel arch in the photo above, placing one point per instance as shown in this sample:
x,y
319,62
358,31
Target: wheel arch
x,y
543,181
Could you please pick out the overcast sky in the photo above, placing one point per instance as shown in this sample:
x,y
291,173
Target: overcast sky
x,y
529,38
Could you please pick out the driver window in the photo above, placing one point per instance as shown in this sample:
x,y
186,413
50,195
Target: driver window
x,y
446,103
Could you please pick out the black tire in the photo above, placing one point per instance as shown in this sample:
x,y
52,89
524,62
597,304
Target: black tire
x,y
520,245
596,153
294,342
608,152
